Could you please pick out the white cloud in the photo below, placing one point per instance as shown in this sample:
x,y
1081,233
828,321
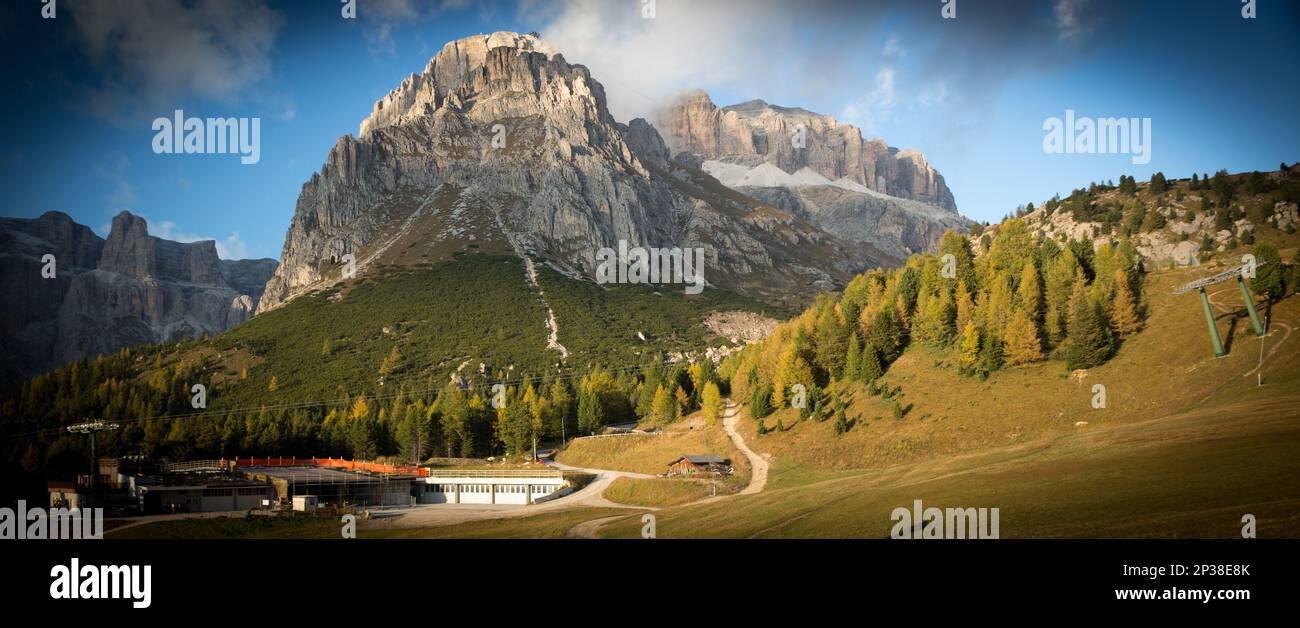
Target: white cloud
x,y
380,17
893,48
873,109
1070,19
747,45
933,95
149,53
231,247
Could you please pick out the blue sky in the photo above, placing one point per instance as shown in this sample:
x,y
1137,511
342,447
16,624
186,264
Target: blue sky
x,y
971,93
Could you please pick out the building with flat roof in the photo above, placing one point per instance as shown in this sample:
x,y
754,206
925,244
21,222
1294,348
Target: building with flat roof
x,y
463,486
331,486
172,493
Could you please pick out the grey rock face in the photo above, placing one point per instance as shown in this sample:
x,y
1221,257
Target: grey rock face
x,y
501,145
808,164
896,226
130,289
694,124
248,276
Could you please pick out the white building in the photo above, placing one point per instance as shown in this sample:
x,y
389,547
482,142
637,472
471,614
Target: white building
x,y
489,487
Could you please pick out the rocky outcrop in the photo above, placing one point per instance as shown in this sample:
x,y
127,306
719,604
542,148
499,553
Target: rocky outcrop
x,y
1187,229
130,289
501,145
896,226
248,276
791,139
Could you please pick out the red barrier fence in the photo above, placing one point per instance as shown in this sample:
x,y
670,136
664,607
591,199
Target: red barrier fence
x,y
332,463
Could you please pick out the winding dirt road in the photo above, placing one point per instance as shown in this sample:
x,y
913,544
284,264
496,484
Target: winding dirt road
x,y
757,478
757,464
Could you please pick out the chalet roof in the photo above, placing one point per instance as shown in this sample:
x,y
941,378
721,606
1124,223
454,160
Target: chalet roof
x,y
709,459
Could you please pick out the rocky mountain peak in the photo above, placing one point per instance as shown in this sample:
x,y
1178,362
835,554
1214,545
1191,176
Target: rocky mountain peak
x,y
754,132
500,145
131,251
458,74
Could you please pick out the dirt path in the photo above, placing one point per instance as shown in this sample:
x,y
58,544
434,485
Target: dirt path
x,y
588,529
590,496
757,477
757,464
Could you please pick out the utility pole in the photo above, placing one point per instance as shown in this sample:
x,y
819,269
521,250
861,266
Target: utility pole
x,y
93,427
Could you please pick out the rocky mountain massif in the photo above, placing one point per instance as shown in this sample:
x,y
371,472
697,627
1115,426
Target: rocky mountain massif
x,y
501,145
816,168
130,289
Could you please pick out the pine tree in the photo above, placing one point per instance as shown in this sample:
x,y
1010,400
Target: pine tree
x,y
590,414
1127,185
965,306
1021,340
886,335
560,406
1089,342
1158,184
970,346
1123,311
1060,281
999,308
871,369
1030,292
853,361
990,356
274,385
1268,279
841,422
958,245
711,403
785,376
665,407
932,321
681,401
760,402
391,362
831,345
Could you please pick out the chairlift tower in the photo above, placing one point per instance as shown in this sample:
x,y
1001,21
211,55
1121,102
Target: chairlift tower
x,y
92,428
1239,273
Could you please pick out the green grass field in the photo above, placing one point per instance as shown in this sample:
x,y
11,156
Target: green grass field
x,y
662,492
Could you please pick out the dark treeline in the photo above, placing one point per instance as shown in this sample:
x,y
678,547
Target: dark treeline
x,y
147,391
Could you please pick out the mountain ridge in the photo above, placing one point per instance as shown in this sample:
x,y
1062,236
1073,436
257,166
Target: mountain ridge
x,y
108,293
692,123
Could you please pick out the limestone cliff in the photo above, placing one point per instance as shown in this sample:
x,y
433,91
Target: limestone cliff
x,y
130,289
